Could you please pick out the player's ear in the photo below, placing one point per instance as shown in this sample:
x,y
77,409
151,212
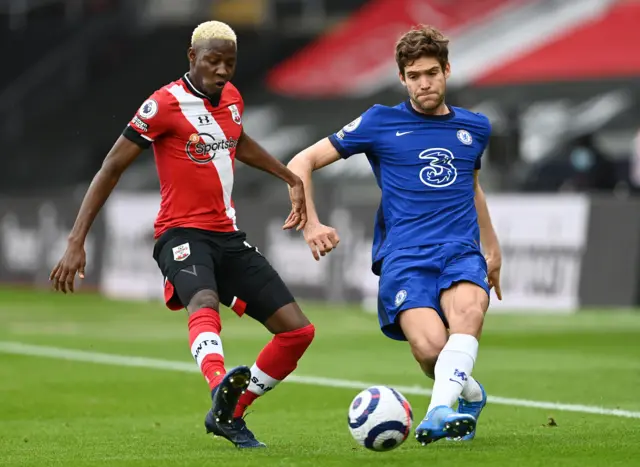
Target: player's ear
x,y
401,76
447,70
191,55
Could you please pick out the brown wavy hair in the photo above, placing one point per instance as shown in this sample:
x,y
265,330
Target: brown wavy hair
x,y
422,41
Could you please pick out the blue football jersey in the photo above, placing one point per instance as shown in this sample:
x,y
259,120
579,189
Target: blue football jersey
x,y
424,166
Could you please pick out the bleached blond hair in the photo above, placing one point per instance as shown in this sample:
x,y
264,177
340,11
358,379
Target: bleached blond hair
x,y
213,30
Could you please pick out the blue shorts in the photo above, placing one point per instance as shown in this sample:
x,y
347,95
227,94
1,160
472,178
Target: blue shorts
x,y
414,278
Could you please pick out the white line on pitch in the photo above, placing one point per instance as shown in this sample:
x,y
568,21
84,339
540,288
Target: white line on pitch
x,y
154,363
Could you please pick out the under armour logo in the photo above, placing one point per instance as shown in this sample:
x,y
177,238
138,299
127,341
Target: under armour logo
x,y
190,270
204,119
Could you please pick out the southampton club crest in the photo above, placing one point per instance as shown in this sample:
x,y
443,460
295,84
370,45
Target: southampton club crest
x,y
235,114
181,252
440,172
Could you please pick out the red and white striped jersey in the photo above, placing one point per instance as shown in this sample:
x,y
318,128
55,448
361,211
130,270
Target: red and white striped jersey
x,y
194,139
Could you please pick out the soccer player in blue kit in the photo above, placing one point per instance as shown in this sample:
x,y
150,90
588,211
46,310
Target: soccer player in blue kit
x,y
434,279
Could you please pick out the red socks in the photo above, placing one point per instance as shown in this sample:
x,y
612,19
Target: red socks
x,y
276,361
206,345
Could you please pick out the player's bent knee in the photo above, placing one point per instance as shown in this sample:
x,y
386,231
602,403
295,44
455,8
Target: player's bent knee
x,y
203,299
296,318
426,351
466,319
286,319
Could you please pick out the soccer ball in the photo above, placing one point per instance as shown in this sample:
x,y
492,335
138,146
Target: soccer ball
x,y
380,418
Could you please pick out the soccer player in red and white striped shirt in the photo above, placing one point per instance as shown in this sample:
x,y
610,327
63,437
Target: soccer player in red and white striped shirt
x,y
194,125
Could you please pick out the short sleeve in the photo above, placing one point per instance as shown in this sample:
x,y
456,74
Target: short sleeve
x,y
150,122
486,135
240,104
478,165
355,137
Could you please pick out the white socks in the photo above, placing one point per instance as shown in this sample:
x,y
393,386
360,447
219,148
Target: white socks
x,y
471,391
453,370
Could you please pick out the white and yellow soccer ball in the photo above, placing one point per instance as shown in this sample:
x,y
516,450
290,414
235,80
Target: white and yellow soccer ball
x,y
380,418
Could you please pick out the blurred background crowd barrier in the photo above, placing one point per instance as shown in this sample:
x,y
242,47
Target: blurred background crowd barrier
x,y
559,80
562,252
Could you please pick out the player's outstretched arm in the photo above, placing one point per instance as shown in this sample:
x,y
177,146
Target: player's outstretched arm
x,y
488,238
252,154
73,262
320,238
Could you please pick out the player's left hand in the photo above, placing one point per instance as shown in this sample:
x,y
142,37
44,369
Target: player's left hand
x,y
494,263
321,239
298,216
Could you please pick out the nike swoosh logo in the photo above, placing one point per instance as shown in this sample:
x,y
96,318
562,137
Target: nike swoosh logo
x,y
400,133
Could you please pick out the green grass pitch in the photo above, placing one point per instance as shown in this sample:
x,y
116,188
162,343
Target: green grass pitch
x,y
61,412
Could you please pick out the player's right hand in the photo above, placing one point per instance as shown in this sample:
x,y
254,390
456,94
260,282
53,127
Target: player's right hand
x,y
321,239
73,262
298,216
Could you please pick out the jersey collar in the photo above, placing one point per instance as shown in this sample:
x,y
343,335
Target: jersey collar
x,y
448,116
215,101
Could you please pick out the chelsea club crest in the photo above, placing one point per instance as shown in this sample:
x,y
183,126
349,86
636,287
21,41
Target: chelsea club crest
x,y
401,296
465,137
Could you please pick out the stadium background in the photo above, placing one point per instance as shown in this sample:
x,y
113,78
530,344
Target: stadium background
x,y
559,80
